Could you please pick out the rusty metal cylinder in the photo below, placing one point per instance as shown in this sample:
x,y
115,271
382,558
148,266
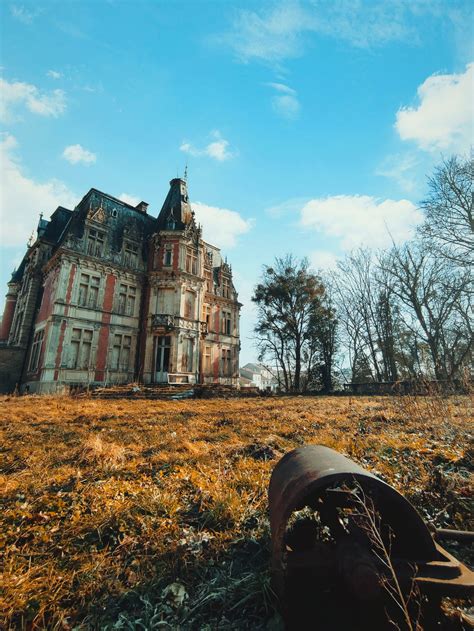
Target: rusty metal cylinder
x,y
302,475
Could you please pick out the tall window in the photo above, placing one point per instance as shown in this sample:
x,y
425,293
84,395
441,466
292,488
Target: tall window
x,y
168,256
126,299
187,357
89,290
206,315
121,351
226,363
226,326
95,242
225,288
191,261
130,254
36,350
80,349
17,325
209,281
189,298
207,360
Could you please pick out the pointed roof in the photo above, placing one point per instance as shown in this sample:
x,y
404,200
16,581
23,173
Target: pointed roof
x,y
176,212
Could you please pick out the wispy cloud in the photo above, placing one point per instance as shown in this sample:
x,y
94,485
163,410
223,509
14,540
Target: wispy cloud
x,y
284,29
17,94
76,154
443,120
402,168
54,74
22,14
285,103
280,31
217,149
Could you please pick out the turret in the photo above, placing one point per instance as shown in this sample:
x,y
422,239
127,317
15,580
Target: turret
x,y
176,212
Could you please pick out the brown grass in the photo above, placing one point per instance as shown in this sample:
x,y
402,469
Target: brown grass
x,y
120,513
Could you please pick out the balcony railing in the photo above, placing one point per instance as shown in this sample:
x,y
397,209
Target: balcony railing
x,y
169,322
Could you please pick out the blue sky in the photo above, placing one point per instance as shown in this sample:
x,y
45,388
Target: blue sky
x,y
307,127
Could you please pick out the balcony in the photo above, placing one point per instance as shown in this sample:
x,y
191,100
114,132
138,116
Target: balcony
x,y
170,322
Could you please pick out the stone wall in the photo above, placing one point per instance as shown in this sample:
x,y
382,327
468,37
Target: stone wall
x,y
11,362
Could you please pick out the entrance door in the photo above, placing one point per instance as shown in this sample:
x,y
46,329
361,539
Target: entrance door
x,y
163,349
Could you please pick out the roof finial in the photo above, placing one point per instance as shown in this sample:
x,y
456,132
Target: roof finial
x,y
186,173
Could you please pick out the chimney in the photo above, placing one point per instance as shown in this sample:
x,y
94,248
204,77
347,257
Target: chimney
x,y
142,207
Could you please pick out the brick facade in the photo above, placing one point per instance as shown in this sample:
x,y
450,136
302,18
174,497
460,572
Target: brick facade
x,y
109,294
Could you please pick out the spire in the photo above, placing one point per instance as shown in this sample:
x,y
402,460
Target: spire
x,y
176,212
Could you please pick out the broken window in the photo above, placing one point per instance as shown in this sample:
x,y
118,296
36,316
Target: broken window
x,y
168,256
207,360
226,363
189,298
89,291
206,315
95,242
130,254
80,349
187,357
225,288
191,261
121,351
36,350
209,281
226,326
126,299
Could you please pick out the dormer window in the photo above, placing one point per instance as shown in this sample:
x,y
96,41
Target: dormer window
x,y
170,222
114,212
225,288
130,254
95,242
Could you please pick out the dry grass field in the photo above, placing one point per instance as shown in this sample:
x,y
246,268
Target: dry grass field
x,y
153,514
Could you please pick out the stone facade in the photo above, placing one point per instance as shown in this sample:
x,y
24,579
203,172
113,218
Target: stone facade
x,y
109,294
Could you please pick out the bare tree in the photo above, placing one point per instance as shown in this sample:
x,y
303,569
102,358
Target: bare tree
x,y
449,219
366,308
433,295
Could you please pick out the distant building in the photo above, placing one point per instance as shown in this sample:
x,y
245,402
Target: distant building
x,y
109,294
257,376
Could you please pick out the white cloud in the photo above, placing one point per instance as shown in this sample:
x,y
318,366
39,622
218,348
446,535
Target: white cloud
x,y
272,36
356,220
22,14
76,153
221,227
402,168
217,149
289,207
285,103
280,31
19,93
323,260
281,87
54,74
129,199
22,198
443,121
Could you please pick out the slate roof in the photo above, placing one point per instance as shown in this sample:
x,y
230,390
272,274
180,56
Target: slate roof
x,y
176,211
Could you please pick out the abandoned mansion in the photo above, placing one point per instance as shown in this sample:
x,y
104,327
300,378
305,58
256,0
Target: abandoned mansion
x,y
108,294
